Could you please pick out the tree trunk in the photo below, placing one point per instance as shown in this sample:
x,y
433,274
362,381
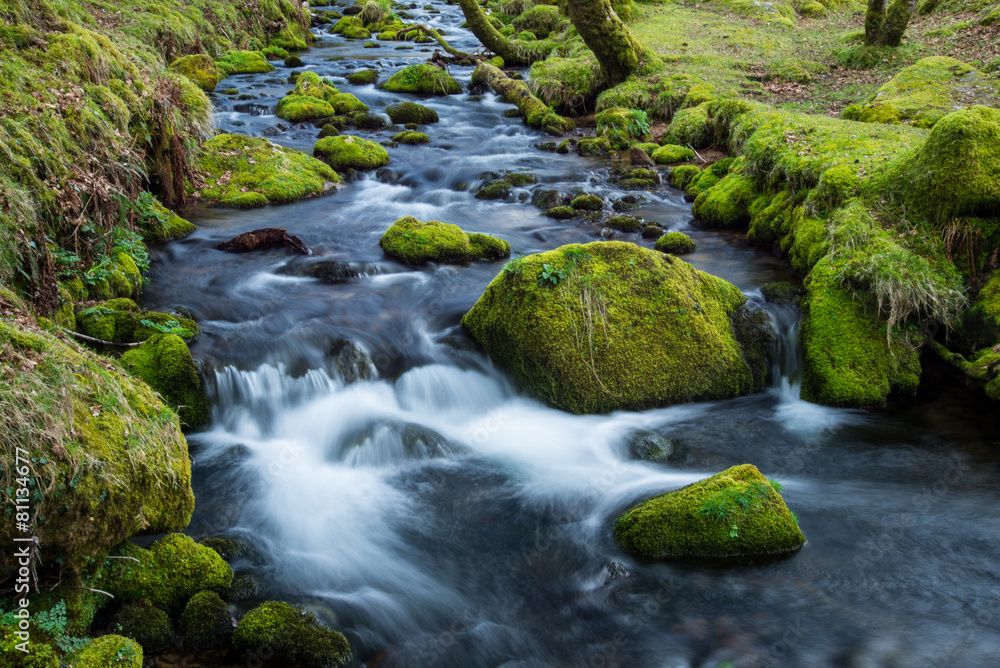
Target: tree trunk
x,y
616,49
874,18
536,113
514,54
885,23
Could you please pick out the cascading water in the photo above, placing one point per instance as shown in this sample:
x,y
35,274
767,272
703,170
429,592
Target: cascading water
x,y
390,479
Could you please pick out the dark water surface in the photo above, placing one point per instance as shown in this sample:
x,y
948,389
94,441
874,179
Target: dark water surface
x,y
438,518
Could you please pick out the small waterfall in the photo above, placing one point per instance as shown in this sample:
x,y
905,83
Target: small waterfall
x,y
786,364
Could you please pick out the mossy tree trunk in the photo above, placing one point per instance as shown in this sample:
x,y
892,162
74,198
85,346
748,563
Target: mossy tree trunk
x,y
616,49
514,54
536,113
885,23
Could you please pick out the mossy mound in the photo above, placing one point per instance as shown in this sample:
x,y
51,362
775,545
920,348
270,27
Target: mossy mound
x,y
676,243
422,79
290,636
625,223
146,624
567,84
736,515
345,103
561,212
926,91
411,137
122,321
364,120
228,548
669,154
244,588
292,61
310,84
362,77
499,186
780,292
328,130
110,650
246,172
118,277
727,203
113,454
168,574
165,363
301,108
593,146
611,325
206,623
415,242
681,176
39,655
620,126
587,203
244,62
200,69
347,152
411,112
162,224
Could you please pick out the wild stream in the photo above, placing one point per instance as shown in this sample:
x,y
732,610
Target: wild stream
x,y
390,479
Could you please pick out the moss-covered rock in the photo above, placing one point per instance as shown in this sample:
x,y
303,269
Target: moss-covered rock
x,y
624,223
328,130
244,62
290,636
119,276
669,154
244,588
422,79
292,61
561,212
362,77
681,176
621,127
122,321
727,203
780,292
110,651
593,146
345,103
736,515
165,363
162,224
690,127
676,243
170,572
499,186
245,172
228,548
200,69
39,654
587,203
612,325
411,112
411,137
926,91
415,242
146,624
344,23
301,108
348,152
206,622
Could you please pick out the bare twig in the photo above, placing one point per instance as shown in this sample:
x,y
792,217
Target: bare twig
x,y
90,339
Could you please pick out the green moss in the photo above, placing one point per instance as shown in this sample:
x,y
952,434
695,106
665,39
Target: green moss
x,y
347,152
681,176
401,113
701,183
310,84
300,108
676,243
248,171
162,224
587,203
345,103
726,204
117,277
612,325
780,292
228,548
110,651
362,77
244,62
690,127
593,146
146,624
274,53
165,363
367,121
499,186
200,69
121,321
806,240
328,130
624,223
415,242
64,316
206,623
769,218
290,636
355,32
170,572
561,212
39,654
345,23
411,137
671,153
244,588
422,79
567,84
734,515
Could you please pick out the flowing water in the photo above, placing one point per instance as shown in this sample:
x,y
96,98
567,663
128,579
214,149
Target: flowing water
x,y
400,486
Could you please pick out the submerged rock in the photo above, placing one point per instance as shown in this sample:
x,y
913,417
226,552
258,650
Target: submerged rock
x,y
499,186
736,516
352,362
265,238
414,242
651,446
607,326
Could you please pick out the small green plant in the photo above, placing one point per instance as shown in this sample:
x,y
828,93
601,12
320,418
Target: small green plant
x,y
515,266
575,255
125,654
732,503
551,275
53,622
638,123
167,327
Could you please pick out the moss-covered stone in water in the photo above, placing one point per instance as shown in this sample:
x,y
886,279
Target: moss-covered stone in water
x,y
122,321
681,176
228,548
200,69
415,242
300,108
110,650
244,588
671,153
165,363
39,654
587,203
411,112
348,152
245,172
344,23
561,212
411,137
362,77
422,79
244,62
146,624
293,61
500,186
926,91
206,623
290,636
780,292
329,130
611,325
727,203
676,243
593,146
170,572
736,515
624,223
165,225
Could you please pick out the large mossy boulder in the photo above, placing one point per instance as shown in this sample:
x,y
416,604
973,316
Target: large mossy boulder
x,y
736,515
168,574
422,79
312,98
206,622
122,321
200,69
926,91
290,636
244,62
111,451
345,152
611,325
165,363
402,113
414,242
246,172
110,651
